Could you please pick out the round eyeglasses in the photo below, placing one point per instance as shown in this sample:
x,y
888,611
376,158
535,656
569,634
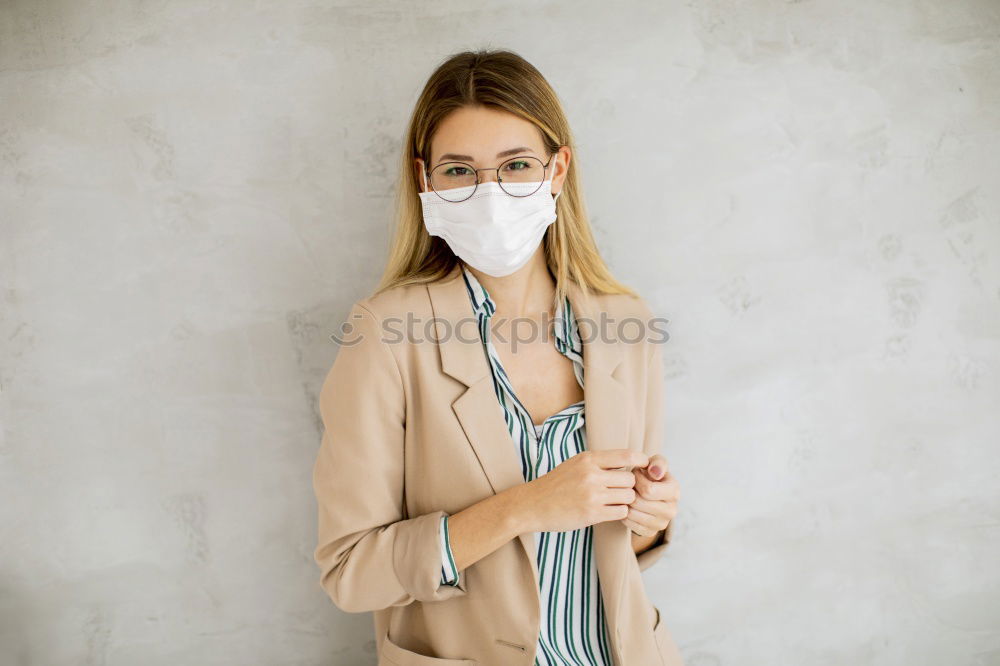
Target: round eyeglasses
x,y
517,176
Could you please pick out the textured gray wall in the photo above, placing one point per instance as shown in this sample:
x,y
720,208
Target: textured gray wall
x,y
193,193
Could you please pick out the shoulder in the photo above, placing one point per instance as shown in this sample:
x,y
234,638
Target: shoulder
x,y
393,320
635,324
624,309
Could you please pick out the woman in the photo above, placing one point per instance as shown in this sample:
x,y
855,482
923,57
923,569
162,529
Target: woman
x,y
493,496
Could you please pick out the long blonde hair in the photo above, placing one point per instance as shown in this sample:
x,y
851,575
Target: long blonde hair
x,y
503,80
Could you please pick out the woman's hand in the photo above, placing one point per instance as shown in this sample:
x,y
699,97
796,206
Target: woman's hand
x,y
657,492
590,487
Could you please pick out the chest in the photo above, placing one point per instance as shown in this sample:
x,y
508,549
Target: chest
x,y
542,378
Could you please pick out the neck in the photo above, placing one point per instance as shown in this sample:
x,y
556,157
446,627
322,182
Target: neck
x,y
527,292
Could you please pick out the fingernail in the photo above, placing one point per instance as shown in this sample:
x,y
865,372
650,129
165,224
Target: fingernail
x,y
655,470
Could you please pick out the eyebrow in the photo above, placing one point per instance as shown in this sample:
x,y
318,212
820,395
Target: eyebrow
x,y
469,158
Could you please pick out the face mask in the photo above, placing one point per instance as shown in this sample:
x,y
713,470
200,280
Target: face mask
x,y
491,230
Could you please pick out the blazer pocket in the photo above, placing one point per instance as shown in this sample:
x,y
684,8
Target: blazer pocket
x,y
393,655
669,653
659,629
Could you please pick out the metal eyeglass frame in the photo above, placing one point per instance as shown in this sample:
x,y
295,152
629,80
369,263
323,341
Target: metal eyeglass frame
x,y
427,174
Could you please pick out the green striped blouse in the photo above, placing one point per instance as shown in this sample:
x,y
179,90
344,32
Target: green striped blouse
x,y
573,627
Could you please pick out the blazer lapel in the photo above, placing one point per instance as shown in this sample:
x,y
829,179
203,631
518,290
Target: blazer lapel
x,y
463,357
606,418
605,411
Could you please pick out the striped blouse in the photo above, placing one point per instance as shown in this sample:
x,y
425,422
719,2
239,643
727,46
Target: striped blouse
x,y
573,625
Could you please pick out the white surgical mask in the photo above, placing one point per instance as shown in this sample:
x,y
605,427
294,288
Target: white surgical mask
x,y
491,230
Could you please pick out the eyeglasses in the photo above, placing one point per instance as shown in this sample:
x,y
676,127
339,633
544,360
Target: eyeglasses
x,y
517,176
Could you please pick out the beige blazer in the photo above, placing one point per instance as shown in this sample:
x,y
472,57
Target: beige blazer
x,y
413,430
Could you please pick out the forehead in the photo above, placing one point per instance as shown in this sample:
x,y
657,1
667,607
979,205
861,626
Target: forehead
x,y
483,132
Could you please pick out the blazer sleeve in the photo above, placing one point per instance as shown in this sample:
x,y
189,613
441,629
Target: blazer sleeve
x,y
370,555
653,443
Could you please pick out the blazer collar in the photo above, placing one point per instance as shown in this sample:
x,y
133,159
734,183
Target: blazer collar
x,y
605,409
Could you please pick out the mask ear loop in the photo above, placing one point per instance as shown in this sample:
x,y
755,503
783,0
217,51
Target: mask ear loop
x,y
556,198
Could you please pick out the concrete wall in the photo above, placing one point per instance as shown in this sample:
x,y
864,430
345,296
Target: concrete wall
x,y
193,193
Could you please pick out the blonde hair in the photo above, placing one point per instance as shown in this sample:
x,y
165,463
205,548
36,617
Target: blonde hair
x,y
502,80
